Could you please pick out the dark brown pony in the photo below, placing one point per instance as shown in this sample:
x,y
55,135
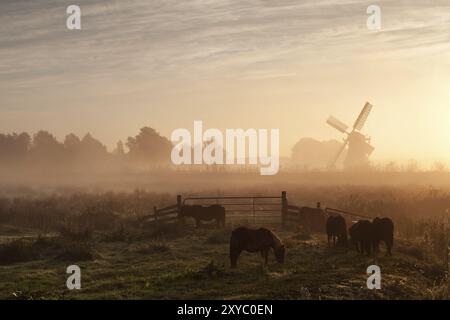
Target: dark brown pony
x,y
255,240
337,230
200,213
362,236
383,231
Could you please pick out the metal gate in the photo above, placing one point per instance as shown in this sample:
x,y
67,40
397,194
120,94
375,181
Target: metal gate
x,y
245,210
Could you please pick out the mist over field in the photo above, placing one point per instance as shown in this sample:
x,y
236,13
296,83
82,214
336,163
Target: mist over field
x,y
143,162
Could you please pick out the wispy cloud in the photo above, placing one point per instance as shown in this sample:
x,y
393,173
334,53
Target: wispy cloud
x,y
161,38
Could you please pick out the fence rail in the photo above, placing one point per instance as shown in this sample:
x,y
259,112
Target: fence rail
x,y
292,208
291,215
280,211
166,214
230,198
332,210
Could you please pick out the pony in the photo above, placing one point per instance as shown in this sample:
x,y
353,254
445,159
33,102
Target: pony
x,y
383,231
201,213
255,240
337,230
362,236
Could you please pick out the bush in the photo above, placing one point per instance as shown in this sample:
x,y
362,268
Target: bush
x,y
18,251
121,234
75,252
71,233
97,211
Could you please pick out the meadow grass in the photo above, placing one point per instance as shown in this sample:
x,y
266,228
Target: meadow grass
x,y
194,265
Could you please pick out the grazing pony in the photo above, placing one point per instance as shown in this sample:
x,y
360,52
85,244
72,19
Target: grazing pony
x,y
383,231
255,240
337,229
362,236
201,213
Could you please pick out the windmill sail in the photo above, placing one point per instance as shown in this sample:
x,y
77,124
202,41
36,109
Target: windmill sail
x,y
335,123
359,123
338,154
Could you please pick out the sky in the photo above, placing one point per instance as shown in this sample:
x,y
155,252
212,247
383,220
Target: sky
x,y
232,64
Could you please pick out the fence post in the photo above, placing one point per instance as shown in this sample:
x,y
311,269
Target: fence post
x,y
446,251
284,208
446,257
179,205
253,208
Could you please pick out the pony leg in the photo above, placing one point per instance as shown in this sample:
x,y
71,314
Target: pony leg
x,y
266,256
376,246
389,247
390,244
234,258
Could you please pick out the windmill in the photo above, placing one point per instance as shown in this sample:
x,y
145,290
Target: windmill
x,y
359,148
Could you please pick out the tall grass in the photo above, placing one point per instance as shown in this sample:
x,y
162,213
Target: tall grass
x,y
417,212
96,211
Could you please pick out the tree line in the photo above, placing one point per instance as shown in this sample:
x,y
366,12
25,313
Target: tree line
x,y
44,150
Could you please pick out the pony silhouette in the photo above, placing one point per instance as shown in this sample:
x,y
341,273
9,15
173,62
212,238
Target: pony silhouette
x,y
255,240
201,213
383,231
337,230
362,236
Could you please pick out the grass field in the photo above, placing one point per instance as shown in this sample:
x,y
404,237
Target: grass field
x,y
193,264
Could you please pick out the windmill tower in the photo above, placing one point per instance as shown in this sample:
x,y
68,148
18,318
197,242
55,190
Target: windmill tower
x,y
359,148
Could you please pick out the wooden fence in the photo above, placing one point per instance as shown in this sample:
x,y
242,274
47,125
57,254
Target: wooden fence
x,y
270,211
163,215
246,210
309,219
257,210
312,219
